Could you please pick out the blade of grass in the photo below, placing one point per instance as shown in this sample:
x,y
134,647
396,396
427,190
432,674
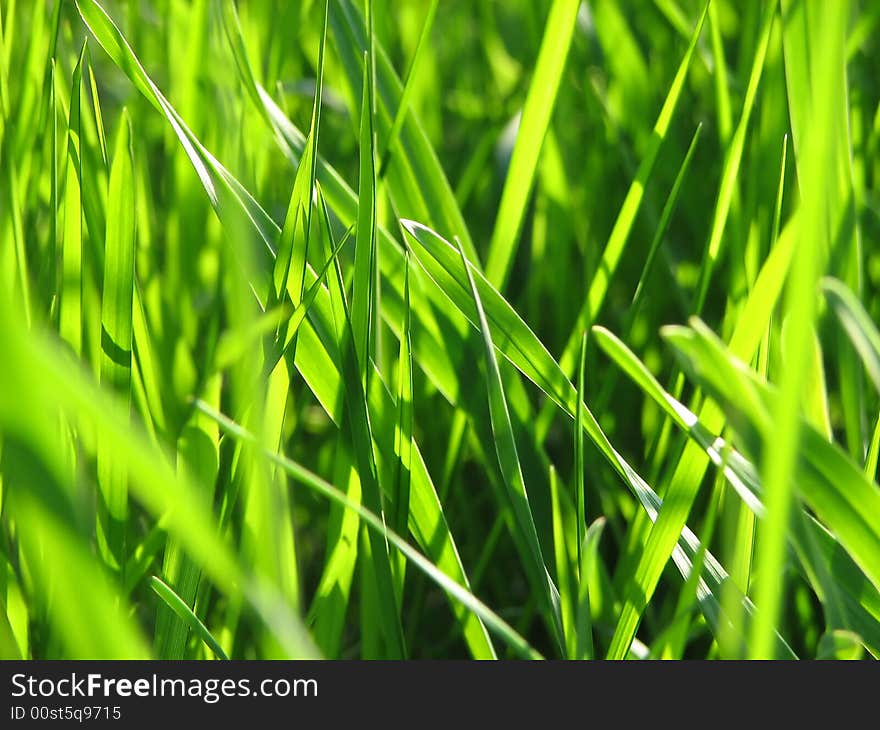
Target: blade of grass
x,y
623,225
312,359
358,419
70,308
363,290
580,467
377,525
801,307
589,552
536,114
525,534
565,568
116,335
831,483
408,86
848,589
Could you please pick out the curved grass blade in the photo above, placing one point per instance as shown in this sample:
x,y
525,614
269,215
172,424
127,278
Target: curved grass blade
x,y
533,126
525,534
522,348
691,467
857,324
177,604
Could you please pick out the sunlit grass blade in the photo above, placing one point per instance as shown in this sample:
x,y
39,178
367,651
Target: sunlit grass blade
x,y
857,324
816,228
690,468
831,484
116,336
403,433
536,114
820,111
70,307
733,160
812,543
580,467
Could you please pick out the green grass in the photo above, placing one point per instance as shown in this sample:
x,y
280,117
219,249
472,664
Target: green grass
x,y
373,329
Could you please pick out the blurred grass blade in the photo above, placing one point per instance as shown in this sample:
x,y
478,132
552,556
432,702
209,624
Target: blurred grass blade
x,y
817,222
525,534
403,433
70,308
565,568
